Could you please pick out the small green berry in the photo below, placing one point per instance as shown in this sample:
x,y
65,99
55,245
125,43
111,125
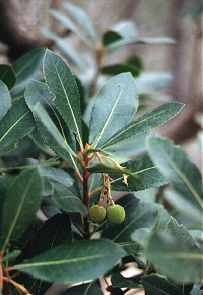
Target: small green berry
x,y
97,213
116,214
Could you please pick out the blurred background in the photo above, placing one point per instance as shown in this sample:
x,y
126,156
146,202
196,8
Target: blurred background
x,y
161,43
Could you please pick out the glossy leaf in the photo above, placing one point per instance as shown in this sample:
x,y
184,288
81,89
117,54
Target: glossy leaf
x,y
5,99
157,285
139,215
119,281
141,174
21,205
35,95
175,253
28,67
143,125
16,124
74,263
7,75
121,102
178,169
85,289
56,175
67,200
63,85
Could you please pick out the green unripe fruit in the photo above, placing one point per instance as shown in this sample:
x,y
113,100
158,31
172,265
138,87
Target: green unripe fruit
x,y
97,213
116,214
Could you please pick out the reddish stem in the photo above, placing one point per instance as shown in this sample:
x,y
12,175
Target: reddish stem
x,y
86,194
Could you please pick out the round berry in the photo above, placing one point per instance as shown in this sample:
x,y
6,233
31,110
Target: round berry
x,y
97,213
116,214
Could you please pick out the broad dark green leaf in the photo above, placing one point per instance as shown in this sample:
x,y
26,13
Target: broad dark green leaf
x,y
5,99
119,281
7,75
67,200
139,215
56,175
46,126
16,124
175,253
175,165
82,21
20,207
143,125
63,85
120,99
74,263
119,68
28,67
85,289
55,231
157,285
141,174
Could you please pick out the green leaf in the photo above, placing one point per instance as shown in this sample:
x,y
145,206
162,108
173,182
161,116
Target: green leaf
x,y
175,253
121,34
67,49
68,201
82,20
85,289
56,175
110,37
143,125
64,86
178,169
125,33
120,100
45,238
74,263
7,75
119,68
141,174
5,99
139,215
47,128
119,281
28,67
20,207
16,124
157,285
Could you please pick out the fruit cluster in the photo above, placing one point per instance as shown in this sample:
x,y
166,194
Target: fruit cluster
x,y
114,213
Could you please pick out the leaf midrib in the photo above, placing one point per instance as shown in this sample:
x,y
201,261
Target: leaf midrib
x,y
60,262
12,126
185,180
98,138
18,211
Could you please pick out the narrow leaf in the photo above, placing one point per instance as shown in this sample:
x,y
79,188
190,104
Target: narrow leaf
x,y
120,100
20,206
142,125
74,263
63,85
5,99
